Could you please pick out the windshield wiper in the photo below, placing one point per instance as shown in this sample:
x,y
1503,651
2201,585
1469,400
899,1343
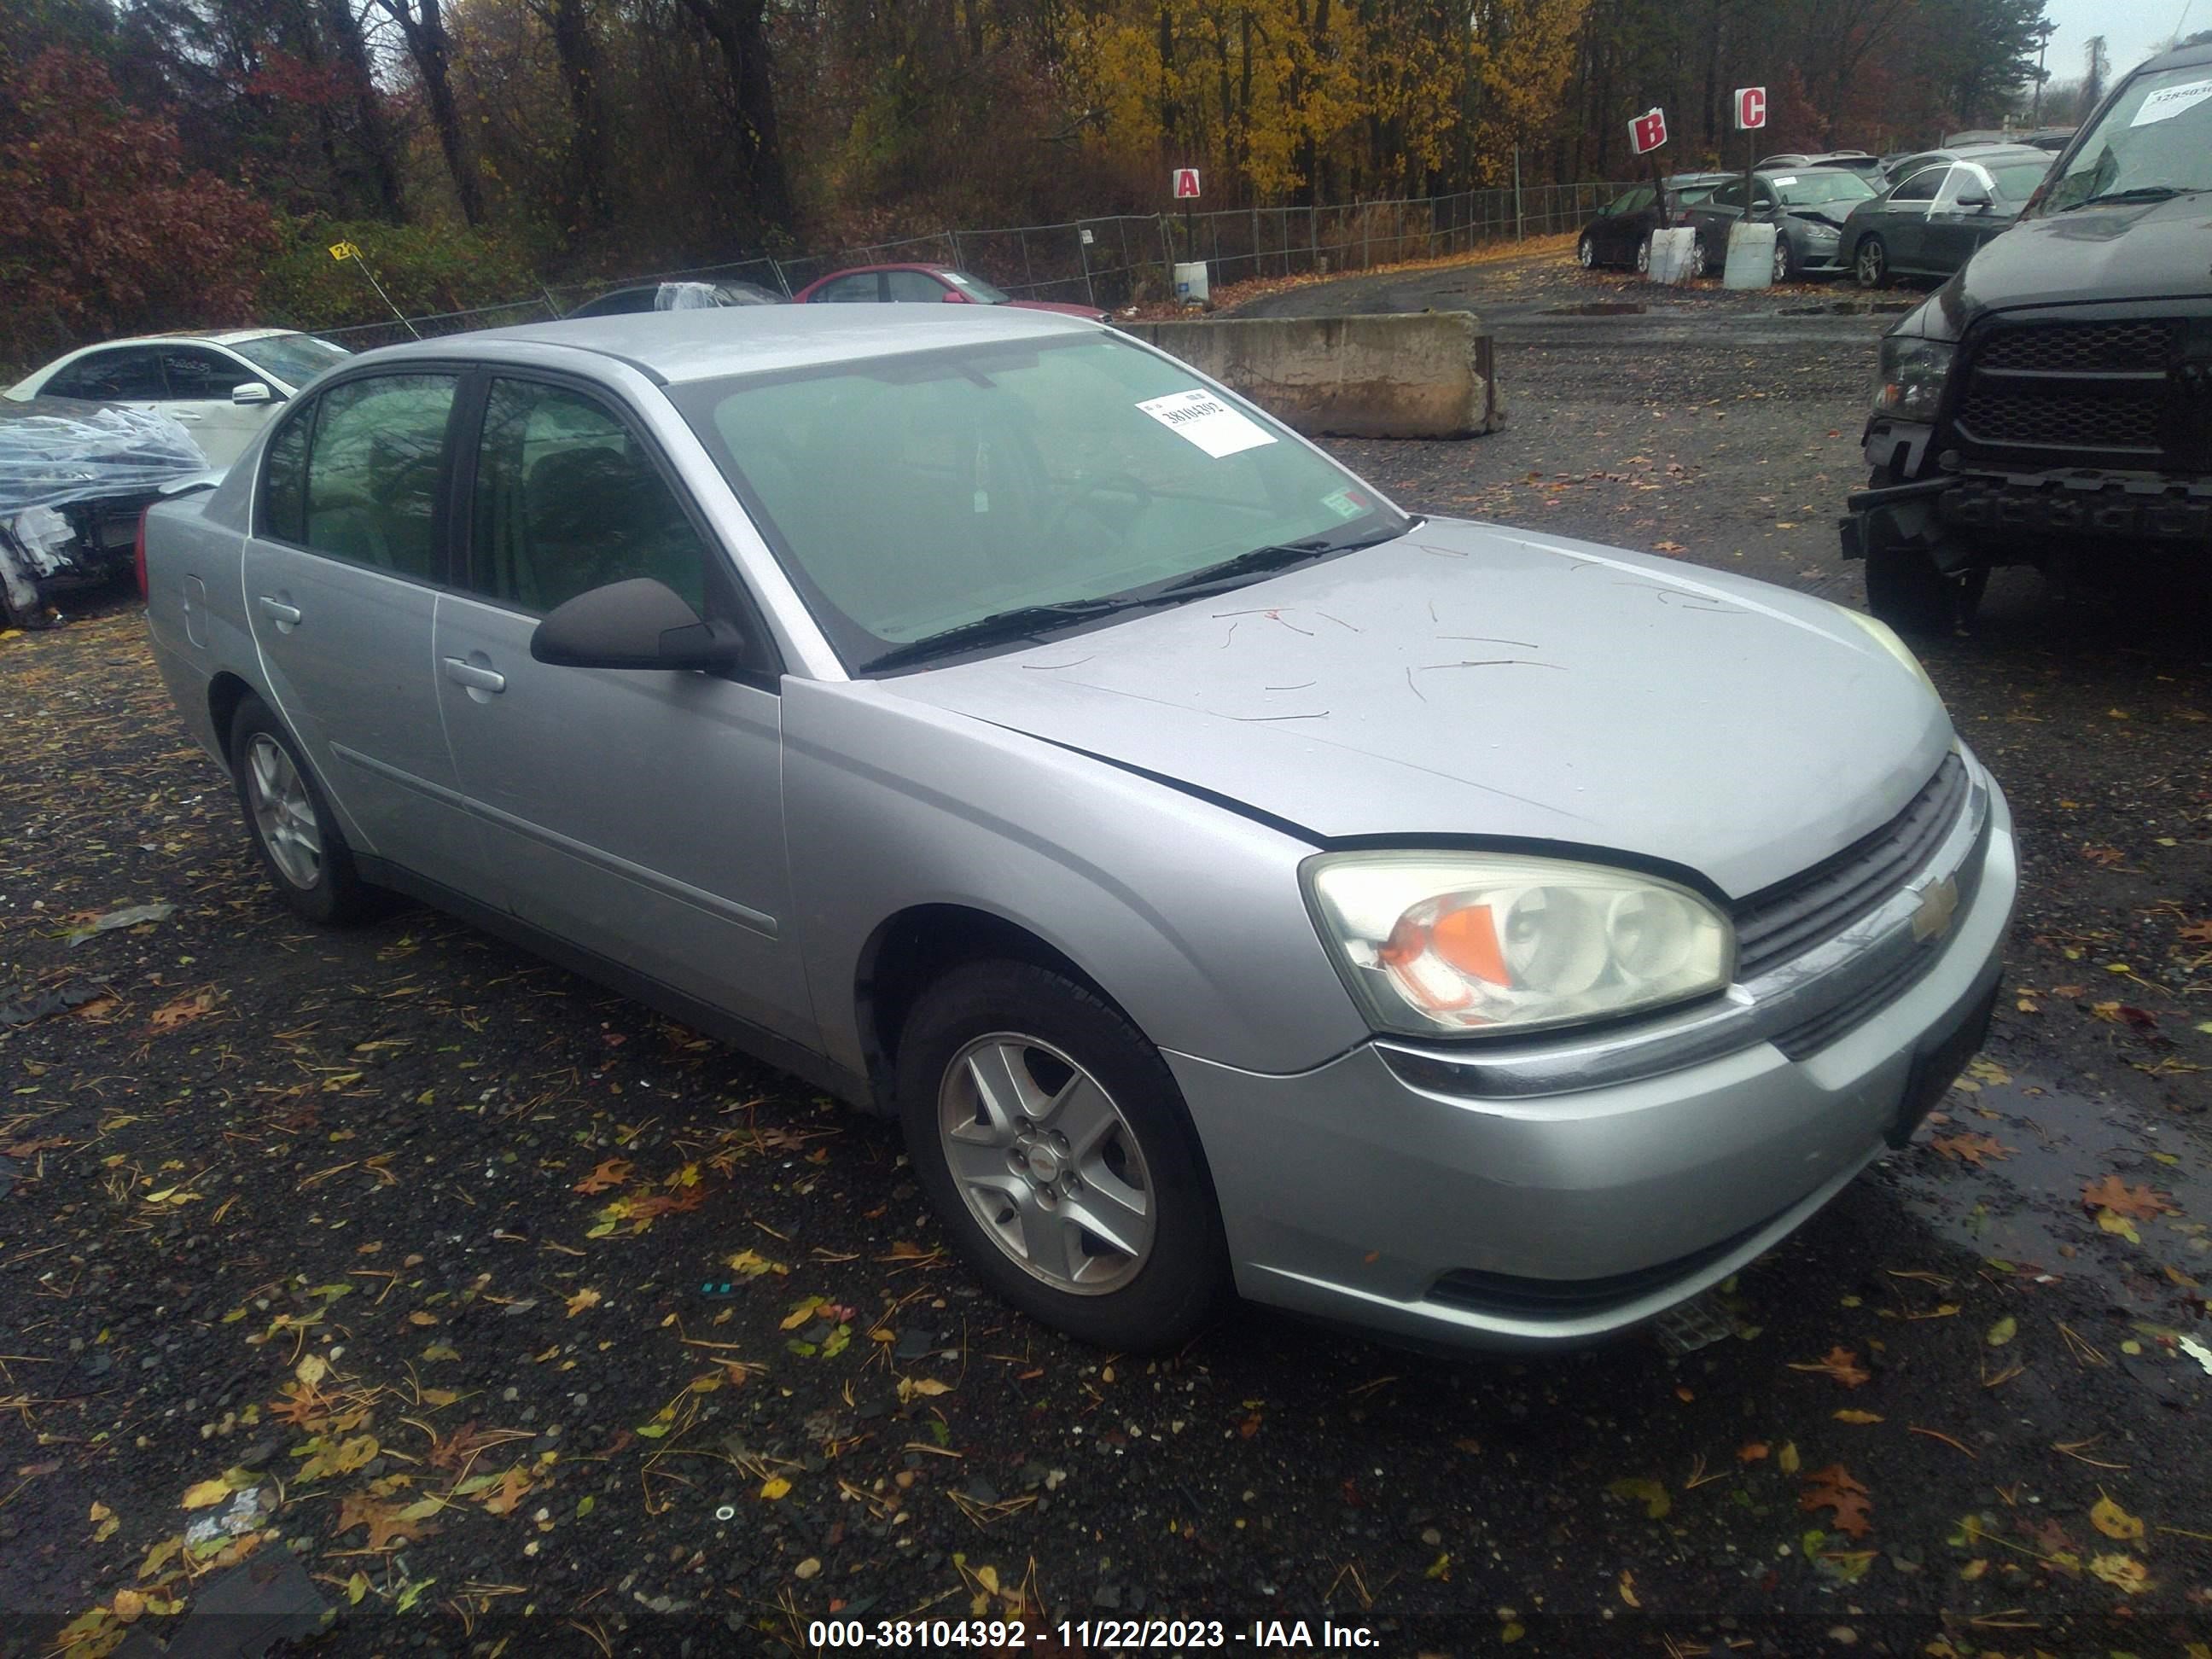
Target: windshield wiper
x,y
1023,622
1273,555
2136,193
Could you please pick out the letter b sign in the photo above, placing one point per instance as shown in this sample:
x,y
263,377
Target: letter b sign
x,y
1648,130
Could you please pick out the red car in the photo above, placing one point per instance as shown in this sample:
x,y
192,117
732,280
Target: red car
x,y
925,285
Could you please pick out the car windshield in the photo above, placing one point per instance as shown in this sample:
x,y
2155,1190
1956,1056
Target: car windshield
x,y
911,495
294,359
977,288
2154,141
1812,189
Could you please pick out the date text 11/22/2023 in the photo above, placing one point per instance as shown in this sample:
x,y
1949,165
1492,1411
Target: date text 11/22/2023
x,y
996,1635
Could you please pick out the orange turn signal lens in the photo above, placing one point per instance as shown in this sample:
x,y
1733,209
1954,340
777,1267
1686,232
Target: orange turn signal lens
x,y
1468,939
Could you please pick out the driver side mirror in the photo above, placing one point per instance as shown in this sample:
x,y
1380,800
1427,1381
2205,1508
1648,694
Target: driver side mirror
x,y
953,296
639,623
254,391
1975,200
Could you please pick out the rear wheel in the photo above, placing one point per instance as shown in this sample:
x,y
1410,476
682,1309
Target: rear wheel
x,y
1643,256
1700,261
1870,264
297,839
1054,1144
1586,252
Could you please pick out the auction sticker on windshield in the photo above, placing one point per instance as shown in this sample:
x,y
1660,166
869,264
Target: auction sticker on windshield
x,y
1206,421
2169,102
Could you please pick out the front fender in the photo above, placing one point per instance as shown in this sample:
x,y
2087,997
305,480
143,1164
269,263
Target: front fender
x,y
1185,912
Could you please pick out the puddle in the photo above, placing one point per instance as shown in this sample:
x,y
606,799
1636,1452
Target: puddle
x,y
1600,308
1848,308
2001,1167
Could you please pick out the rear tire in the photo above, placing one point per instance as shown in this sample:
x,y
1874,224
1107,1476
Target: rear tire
x,y
1586,252
1055,1148
290,822
1870,263
1644,256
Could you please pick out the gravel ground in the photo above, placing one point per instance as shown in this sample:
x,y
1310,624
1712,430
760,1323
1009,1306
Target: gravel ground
x,y
510,1312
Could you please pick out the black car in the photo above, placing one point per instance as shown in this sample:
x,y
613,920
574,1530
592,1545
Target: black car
x,y
1930,221
1807,210
676,296
1621,234
2051,403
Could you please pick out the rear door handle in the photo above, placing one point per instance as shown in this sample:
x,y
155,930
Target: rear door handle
x,y
278,611
475,678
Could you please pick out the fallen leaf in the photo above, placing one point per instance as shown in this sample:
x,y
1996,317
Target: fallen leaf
x,y
2113,1521
1859,1417
206,1494
1649,1493
185,1010
582,1300
774,1486
1842,1364
1969,1148
2113,1222
1787,1458
1751,1451
1833,1488
130,1604
507,1492
388,1523
2002,1332
2122,1572
2112,1195
1627,1587
610,1174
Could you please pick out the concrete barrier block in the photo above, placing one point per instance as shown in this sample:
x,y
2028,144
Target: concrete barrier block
x,y
1430,374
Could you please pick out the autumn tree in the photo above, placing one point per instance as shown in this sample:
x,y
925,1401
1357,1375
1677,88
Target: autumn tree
x,y
107,230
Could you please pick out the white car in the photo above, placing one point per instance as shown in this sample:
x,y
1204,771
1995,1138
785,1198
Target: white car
x,y
220,388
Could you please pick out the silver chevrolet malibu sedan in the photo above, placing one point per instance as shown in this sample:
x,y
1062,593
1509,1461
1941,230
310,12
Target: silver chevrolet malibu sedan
x,y
1226,877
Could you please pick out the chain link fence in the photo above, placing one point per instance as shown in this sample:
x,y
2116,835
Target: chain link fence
x,y
1109,262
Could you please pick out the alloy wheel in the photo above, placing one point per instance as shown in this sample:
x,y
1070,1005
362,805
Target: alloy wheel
x,y
1873,263
1585,253
283,812
1047,1163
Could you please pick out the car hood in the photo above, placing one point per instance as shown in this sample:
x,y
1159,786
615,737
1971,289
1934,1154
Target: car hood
x,y
2149,251
1468,680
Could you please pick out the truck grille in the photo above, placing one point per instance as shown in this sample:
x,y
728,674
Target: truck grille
x,y
1792,916
2125,394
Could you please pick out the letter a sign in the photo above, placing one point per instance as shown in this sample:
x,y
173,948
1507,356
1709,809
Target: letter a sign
x,y
1750,108
1186,184
1648,130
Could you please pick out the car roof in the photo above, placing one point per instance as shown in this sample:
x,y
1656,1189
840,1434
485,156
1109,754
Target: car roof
x,y
2180,58
708,344
902,265
198,336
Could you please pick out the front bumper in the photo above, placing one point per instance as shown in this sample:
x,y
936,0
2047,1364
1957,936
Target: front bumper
x,y
1549,1213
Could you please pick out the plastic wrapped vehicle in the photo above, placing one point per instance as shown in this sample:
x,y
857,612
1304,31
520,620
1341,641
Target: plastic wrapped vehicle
x,y
73,482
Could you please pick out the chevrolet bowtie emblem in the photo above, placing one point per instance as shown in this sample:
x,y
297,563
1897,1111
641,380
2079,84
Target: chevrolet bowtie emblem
x,y
1939,902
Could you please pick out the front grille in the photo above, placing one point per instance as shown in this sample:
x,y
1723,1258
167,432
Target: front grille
x,y
2083,348
1790,917
1475,1290
2120,393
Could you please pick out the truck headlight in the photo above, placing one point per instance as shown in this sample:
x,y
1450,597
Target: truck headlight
x,y
1913,375
1468,942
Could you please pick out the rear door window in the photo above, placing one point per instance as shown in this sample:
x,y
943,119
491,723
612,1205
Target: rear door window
x,y
376,463
902,287
1922,185
127,374
195,375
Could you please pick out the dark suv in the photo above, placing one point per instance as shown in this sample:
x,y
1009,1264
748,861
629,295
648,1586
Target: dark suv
x,y
2056,394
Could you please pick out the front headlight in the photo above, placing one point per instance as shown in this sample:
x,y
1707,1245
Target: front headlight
x,y
1913,375
1470,943
1885,636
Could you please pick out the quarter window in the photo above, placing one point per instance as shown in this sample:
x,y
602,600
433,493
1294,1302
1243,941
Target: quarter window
x,y
373,468
568,499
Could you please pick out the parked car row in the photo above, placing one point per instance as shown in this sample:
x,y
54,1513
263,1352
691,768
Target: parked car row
x,y
885,284
1925,218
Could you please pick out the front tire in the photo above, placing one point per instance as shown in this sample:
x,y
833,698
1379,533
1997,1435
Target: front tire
x,y
294,832
1701,262
1870,263
1643,256
1052,1141
1586,252
1785,262
1906,590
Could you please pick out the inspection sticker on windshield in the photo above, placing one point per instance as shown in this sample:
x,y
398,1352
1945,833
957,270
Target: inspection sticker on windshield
x,y
1207,422
2169,102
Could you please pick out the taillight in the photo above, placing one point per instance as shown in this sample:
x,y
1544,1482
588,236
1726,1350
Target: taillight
x,y
138,555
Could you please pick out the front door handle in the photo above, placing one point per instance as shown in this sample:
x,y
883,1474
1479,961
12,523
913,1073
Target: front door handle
x,y
476,679
284,615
